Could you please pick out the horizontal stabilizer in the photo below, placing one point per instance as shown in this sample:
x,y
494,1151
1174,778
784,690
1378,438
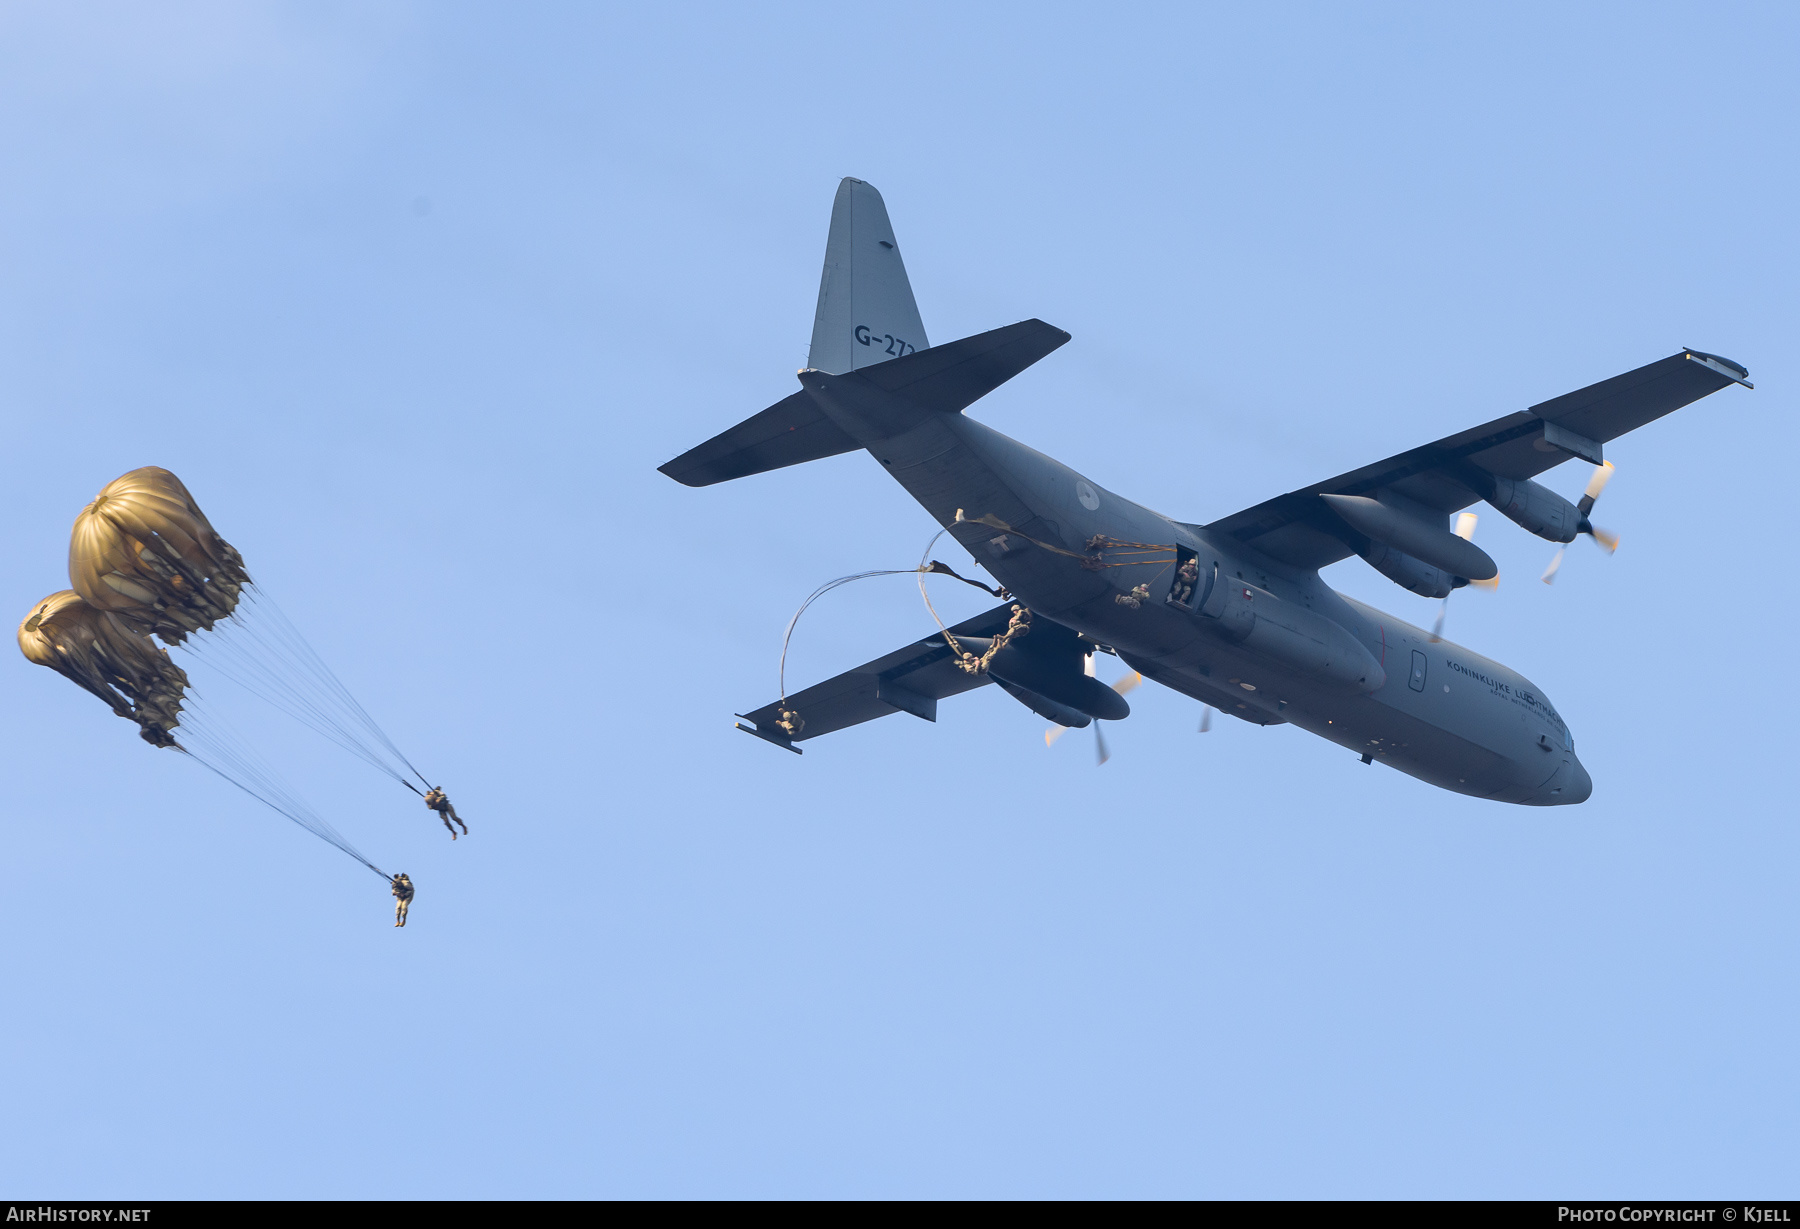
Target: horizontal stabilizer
x,y
945,378
957,374
792,430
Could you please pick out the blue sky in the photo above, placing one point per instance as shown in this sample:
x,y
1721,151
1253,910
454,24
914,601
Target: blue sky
x,y
416,298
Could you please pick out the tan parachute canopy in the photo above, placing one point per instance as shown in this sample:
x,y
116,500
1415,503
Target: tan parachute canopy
x,y
144,561
144,551
99,652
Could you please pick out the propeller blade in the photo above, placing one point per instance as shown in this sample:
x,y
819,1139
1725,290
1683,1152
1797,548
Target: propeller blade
x,y
1608,542
1549,576
1053,733
1489,585
1127,683
1437,629
1602,475
1596,484
1465,526
1100,745
1205,718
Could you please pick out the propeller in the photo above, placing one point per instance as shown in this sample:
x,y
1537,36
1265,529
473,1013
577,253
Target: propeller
x,y
1205,718
1122,686
1609,542
1465,529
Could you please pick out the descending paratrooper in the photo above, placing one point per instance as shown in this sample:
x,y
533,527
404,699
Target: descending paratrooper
x,y
439,801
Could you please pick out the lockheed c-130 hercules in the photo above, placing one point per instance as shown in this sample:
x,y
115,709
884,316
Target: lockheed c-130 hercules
x,y
1232,613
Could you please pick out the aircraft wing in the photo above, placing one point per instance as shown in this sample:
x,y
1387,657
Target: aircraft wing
x,y
910,680
1296,528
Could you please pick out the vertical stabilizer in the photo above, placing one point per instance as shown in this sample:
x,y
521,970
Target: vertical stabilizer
x,y
866,310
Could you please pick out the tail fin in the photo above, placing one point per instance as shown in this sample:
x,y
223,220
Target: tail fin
x,y
866,311
866,322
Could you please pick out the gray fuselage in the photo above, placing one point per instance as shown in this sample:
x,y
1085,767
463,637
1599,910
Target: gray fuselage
x,y
1264,642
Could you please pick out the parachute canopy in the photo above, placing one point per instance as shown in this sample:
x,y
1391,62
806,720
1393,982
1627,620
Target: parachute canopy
x,y
144,551
98,651
144,561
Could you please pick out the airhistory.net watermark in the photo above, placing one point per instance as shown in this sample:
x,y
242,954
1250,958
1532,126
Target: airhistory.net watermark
x,y
46,1214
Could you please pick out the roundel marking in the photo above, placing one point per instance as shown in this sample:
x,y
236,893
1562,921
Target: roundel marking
x,y
1085,492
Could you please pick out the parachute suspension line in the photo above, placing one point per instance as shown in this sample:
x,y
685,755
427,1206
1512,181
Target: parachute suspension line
x,y
922,592
786,717
304,652
210,744
926,565
237,662
1097,546
1019,625
816,594
261,650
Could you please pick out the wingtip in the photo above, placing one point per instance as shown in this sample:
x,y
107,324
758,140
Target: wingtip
x,y
1724,366
773,739
669,469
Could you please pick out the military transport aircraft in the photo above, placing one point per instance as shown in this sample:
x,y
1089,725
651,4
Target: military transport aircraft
x,y
1232,613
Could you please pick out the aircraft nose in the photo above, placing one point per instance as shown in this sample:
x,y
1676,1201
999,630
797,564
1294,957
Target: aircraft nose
x,y
1569,785
1580,787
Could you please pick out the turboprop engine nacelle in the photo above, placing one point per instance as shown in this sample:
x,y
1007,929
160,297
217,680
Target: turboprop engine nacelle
x,y
1405,527
1045,707
1409,573
1536,508
1056,677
